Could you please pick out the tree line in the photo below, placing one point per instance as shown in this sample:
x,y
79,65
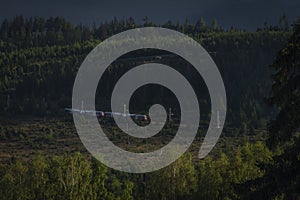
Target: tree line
x,y
78,177
37,75
39,31
254,171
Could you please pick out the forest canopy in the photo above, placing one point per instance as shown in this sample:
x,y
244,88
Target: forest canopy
x,y
39,59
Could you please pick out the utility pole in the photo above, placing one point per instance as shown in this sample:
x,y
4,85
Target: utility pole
x,y
125,110
82,106
218,120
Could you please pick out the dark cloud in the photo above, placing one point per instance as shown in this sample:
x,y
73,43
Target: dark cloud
x,y
241,13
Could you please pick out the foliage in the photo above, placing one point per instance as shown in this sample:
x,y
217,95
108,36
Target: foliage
x,y
282,179
76,177
66,177
39,59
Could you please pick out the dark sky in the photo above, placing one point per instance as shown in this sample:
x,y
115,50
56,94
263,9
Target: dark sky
x,y
247,14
